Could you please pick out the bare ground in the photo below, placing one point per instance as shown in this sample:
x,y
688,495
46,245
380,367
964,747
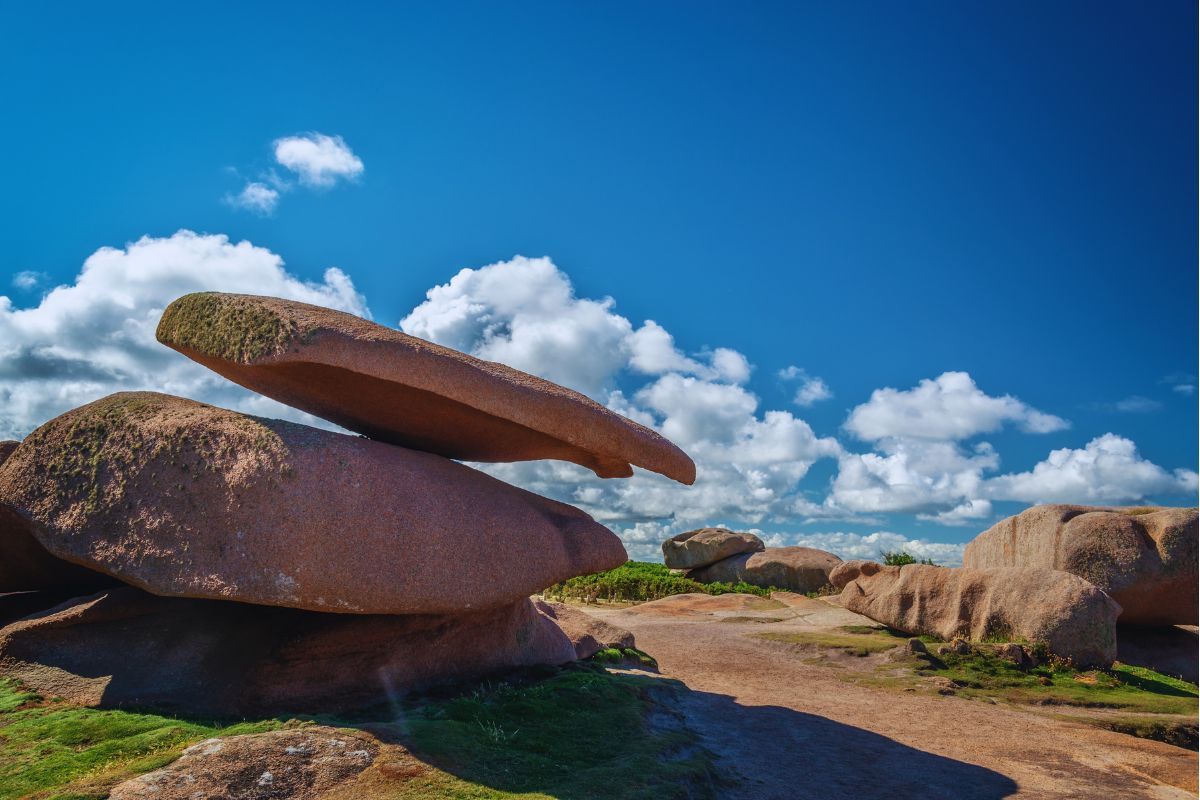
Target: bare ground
x,y
784,728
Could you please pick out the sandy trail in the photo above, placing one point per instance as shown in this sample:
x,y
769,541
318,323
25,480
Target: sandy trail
x,y
793,730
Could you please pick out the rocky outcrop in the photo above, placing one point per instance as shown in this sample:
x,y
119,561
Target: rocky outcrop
x,y
1144,558
125,647
705,546
403,390
588,634
796,569
185,499
301,764
1072,617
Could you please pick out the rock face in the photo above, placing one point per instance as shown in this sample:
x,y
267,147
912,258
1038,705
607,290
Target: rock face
x,y
705,546
301,764
403,390
125,647
796,569
588,635
6,449
1071,616
184,499
1145,559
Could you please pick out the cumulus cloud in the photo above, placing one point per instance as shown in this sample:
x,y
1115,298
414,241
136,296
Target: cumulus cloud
x,y
319,160
28,279
1108,469
256,197
869,546
96,335
811,390
949,407
524,312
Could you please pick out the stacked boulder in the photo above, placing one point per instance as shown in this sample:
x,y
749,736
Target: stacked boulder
x,y
717,555
226,563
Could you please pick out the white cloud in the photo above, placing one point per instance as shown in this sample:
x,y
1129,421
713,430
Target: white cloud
x,y
1186,389
28,279
317,159
1183,383
949,407
1136,404
812,390
96,336
524,312
1106,470
256,197
848,546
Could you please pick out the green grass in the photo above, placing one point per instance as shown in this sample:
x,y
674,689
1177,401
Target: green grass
x,y
579,732
639,581
860,640
48,745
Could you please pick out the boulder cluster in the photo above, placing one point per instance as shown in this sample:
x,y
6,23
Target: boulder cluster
x,y
1076,579
155,550
718,555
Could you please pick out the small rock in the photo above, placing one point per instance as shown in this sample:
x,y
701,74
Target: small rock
x,y
917,647
1016,654
960,646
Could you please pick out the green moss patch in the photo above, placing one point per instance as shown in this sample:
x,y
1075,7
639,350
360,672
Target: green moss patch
x,y
228,327
640,581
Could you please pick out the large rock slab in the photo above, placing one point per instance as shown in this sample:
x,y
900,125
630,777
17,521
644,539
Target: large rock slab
x,y
400,389
300,764
1071,616
796,569
185,499
705,546
588,634
1144,558
124,647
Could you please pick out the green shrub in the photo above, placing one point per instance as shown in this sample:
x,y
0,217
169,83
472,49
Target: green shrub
x,y
638,581
898,558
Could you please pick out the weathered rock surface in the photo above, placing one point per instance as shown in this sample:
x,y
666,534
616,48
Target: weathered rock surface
x,y
796,569
400,389
185,499
124,647
705,546
1074,618
1145,559
588,634
6,449
25,566
300,764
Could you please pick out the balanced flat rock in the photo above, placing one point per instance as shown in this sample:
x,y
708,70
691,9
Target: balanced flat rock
x,y
126,648
400,389
185,499
705,546
1072,617
1144,558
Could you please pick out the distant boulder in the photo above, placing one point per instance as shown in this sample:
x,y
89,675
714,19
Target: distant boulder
x,y
796,569
1144,558
1070,616
705,546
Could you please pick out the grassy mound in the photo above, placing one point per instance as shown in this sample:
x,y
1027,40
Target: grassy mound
x,y
579,732
639,581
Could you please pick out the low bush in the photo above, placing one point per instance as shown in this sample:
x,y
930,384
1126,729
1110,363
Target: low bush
x,y
639,581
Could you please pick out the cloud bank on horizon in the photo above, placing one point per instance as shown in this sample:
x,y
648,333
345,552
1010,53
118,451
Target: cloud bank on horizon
x,y
915,451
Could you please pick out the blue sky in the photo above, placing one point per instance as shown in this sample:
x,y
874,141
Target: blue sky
x,y
875,194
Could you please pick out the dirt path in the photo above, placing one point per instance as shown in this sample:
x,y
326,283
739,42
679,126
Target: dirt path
x,y
794,730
